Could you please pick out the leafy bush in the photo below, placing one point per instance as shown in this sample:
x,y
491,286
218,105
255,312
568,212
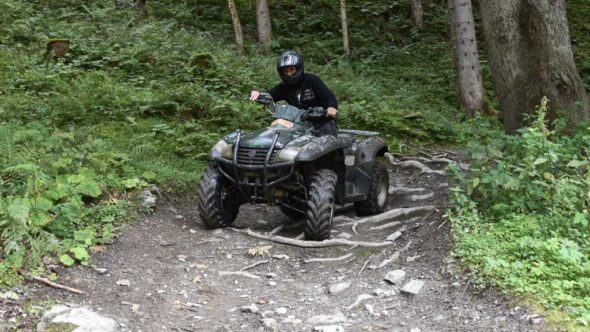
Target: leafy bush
x,y
520,217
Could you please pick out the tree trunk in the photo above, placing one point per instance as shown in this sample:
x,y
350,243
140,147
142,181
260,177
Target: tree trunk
x,y
344,20
237,25
417,13
466,55
530,57
263,24
141,7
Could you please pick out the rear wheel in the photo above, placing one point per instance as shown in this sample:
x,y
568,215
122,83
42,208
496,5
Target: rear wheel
x,y
378,193
320,205
218,199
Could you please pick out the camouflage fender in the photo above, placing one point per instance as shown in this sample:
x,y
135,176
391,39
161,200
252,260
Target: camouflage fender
x,y
367,152
318,147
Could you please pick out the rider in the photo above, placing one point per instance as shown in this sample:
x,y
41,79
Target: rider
x,y
304,90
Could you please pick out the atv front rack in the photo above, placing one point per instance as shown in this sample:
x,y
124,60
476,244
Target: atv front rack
x,y
256,181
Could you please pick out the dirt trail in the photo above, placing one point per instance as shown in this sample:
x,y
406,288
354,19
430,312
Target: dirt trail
x,y
173,267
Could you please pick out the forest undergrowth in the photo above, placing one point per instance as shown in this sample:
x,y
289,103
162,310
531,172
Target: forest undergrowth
x,y
137,102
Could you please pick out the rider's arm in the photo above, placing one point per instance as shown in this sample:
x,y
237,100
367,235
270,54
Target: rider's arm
x,y
325,96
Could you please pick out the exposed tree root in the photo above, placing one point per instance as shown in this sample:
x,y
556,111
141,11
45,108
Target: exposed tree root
x,y
311,244
416,198
404,190
392,258
412,164
391,214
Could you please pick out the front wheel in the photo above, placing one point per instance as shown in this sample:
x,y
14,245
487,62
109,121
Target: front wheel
x,y
218,199
378,193
320,205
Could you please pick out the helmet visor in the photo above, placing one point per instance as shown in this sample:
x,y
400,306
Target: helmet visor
x,y
288,60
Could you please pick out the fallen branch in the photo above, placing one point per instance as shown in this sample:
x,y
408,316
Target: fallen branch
x,y
392,258
365,265
341,258
238,273
391,214
254,265
354,228
310,244
55,285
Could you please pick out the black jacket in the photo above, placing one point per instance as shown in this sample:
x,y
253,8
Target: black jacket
x,y
310,91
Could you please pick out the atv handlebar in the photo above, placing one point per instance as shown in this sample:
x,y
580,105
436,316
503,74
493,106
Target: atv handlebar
x,y
313,113
264,98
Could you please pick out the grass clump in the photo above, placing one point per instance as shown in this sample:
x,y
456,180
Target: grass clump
x,y
520,217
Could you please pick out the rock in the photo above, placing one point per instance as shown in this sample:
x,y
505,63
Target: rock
x,y
10,295
370,309
285,257
179,216
535,319
358,300
100,270
281,310
386,293
394,236
270,323
62,318
344,235
395,276
253,308
148,200
338,287
123,282
413,287
337,317
415,329
329,328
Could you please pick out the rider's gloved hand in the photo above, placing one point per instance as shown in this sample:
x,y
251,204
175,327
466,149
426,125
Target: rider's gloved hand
x,y
331,112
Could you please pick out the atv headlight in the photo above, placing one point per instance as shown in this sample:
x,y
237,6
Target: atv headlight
x,y
288,154
221,149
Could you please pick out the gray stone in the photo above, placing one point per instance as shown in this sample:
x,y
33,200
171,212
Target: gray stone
x,y
338,287
253,308
148,199
395,276
413,287
10,295
123,282
329,328
79,319
394,236
270,323
337,317
100,270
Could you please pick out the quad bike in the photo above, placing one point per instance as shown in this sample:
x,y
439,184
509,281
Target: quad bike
x,y
286,164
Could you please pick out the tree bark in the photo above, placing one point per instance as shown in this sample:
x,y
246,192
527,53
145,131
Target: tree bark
x,y
417,13
344,20
263,24
466,55
530,57
235,18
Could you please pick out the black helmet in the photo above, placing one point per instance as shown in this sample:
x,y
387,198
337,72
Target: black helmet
x,y
290,59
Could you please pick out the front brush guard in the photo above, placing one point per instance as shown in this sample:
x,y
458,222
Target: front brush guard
x,y
264,182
